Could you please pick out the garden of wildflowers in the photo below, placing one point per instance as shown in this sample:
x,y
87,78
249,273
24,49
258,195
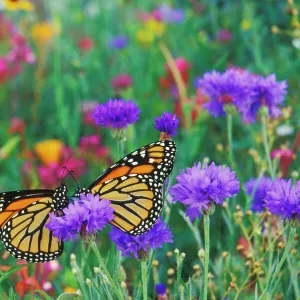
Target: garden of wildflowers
x,y
149,149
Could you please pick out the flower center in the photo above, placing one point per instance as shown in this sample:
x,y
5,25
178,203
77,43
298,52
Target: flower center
x,y
225,99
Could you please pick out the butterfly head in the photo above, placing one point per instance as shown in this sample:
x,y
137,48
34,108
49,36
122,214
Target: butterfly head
x,y
60,196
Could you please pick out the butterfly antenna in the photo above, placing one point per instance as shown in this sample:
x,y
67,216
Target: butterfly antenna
x,y
71,173
65,168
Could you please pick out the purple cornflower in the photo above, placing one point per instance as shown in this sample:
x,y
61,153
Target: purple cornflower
x,y
167,123
198,187
161,289
169,14
283,199
259,187
116,113
266,91
230,87
88,213
152,239
224,35
118,42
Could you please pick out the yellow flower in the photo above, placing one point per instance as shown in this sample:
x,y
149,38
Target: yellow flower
x,y
145,36
245,25
158,28
70,290
42,33
18,5
49,151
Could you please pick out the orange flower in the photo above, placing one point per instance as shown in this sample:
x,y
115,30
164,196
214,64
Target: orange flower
x,y
49,151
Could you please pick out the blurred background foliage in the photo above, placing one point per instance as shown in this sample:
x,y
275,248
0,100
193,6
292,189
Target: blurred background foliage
x,y
69,75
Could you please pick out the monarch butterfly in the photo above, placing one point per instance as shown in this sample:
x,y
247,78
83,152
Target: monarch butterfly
x,y
23,216
133,185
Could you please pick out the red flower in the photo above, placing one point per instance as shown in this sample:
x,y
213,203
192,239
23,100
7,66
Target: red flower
x,y
85,44
243,246
27,283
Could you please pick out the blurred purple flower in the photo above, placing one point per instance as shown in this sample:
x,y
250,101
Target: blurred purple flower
x,y
89,212
266,91
283,199
121,82
169,14
167,123
116,113
161,289
118,42
152,239
259,186
232,86
198,187
224,35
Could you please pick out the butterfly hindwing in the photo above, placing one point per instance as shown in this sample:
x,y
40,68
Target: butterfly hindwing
x,y
23,217
137,202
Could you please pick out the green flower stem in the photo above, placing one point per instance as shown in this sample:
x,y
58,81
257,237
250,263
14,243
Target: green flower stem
x,y
144,279
179,261
104,269
121,149
281,262
206,262
266,145
229,138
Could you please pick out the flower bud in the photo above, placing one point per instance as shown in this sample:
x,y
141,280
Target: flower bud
x,y
155,263
201,253
171,271
88,282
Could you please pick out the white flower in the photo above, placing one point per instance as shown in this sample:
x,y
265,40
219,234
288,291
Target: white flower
x,y
284,130
296,43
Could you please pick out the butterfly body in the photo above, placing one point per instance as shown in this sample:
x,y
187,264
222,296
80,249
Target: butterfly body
x,y
23,216
133,185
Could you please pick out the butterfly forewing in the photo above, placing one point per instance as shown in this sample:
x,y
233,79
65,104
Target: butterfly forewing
x,y
23,217
155,160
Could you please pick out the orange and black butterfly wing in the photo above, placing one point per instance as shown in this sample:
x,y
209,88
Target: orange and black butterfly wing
x,y
136,199
133,185
23,217
155,160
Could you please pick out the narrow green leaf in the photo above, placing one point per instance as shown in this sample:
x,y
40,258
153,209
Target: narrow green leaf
x,y
11,271
67,296
44,294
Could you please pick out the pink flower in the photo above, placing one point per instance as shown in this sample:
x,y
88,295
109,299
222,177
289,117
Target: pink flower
x,y
50,175
17,126
286,157
121,82
91,142
182,65
3,69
